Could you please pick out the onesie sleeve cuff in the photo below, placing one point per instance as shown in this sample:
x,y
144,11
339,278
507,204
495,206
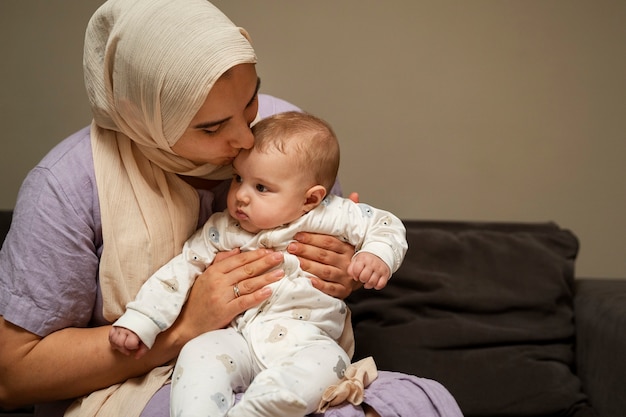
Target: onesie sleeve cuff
x,y
142,325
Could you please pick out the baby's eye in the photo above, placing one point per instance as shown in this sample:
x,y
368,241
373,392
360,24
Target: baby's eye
x,y
261,188
237,178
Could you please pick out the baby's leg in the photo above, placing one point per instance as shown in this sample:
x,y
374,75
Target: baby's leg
x,y
209,370
293,386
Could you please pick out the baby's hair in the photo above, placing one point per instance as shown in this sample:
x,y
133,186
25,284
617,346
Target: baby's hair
x,y
308,139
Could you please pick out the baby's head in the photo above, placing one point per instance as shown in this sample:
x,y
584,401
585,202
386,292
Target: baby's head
x,y
288,172
309,140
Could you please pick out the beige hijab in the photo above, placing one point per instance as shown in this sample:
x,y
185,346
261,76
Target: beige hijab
x,y
149,66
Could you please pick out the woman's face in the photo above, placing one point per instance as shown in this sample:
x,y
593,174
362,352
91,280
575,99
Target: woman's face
x,y
221,128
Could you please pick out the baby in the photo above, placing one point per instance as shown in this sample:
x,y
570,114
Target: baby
x,y
285,352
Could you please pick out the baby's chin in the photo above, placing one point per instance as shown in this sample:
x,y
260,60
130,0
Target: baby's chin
x,y
247,224
249,227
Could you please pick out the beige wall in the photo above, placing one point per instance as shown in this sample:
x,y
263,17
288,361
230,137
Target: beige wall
x,y
479,110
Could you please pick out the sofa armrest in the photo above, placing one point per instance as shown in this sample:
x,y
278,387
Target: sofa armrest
x,y
600,314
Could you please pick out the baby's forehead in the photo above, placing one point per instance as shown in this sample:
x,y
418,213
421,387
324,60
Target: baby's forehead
x,y
287,153
265,158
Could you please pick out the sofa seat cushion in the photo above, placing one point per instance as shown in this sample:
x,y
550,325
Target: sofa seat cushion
x,y
485,309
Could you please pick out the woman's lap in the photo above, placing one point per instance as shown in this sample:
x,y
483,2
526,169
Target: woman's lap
x,y
159,404
391,394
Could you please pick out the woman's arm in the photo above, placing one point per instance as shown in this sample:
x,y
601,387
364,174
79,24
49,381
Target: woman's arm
x,y
65,364
76,361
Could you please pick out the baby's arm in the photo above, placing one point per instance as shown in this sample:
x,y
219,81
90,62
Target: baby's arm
x,y
370,270
159,301
126,341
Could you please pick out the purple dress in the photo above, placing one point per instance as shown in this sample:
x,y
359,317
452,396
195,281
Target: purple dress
x,y
49,270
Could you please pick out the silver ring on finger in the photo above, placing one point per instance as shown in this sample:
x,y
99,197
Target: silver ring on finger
x,y
236,290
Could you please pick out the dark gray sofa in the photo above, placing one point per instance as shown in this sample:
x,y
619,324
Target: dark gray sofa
x,y
492,311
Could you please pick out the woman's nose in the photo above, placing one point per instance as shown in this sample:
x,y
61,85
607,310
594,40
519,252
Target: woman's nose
x,y
244,139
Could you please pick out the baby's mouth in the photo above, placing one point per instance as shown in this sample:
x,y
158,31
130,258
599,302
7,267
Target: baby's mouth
x,y
241,215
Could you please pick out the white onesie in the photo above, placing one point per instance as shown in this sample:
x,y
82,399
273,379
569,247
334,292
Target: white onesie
x,y
288,344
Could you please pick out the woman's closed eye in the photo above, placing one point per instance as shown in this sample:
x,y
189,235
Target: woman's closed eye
x,y
213,130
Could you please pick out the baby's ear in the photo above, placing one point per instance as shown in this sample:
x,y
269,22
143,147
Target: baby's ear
x,y
314,197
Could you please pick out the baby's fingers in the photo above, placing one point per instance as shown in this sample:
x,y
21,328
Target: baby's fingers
x,y
377,282
124,341
355,269
142,350
132,342
117,340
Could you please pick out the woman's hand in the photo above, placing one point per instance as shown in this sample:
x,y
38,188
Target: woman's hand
x,y
213,303
327,258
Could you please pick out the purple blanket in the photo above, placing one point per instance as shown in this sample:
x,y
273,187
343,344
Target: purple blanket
x,y
392,394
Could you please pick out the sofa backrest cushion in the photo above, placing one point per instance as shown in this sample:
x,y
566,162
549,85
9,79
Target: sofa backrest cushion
x,y
5,223
486,309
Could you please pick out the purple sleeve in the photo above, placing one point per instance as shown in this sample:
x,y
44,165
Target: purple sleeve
x,y
269,105
49,261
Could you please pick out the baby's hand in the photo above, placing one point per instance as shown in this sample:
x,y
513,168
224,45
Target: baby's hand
x,y
127,342
370,270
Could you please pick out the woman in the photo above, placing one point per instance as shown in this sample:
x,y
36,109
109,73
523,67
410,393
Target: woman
x,y
173,90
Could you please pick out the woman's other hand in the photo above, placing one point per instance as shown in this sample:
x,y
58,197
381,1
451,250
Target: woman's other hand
x,y
327,258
